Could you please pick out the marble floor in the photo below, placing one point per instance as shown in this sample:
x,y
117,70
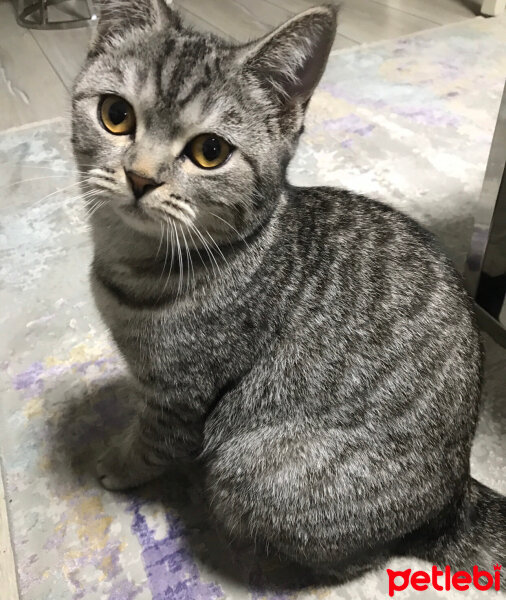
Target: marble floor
x,y
37,67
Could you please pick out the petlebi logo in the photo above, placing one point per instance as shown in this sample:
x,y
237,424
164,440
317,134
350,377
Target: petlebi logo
x,y
444,580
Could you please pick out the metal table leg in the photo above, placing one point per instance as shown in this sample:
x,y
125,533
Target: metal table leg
x,y
485,273
35,15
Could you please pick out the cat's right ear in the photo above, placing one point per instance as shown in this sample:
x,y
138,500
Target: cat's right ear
x,y
290,61
119,17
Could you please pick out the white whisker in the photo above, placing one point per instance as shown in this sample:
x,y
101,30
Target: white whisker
x,y
229,225
98,206
56,192
180,258
53,169
190,264
192,227
20,181
161,240
171,255
216,246
209,252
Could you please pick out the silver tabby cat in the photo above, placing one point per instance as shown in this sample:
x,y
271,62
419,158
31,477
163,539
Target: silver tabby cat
x,y
311,348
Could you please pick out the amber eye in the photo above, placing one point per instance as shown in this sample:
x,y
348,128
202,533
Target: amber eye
x,y
208,151
117,115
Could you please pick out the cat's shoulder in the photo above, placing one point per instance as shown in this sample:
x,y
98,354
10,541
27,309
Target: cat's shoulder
x,y
337,203
331,212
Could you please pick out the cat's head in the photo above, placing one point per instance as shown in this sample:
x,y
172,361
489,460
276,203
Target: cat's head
x,y
171,126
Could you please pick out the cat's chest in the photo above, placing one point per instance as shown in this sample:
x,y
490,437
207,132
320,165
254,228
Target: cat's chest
x,y
189,343
168,336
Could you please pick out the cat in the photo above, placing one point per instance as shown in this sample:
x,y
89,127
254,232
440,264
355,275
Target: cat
x,y
313,349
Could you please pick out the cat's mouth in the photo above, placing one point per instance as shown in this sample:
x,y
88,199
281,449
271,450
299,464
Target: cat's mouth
x,y
135,210
136,217
150,218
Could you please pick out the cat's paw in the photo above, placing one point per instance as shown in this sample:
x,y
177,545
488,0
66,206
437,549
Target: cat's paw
x,y
118,469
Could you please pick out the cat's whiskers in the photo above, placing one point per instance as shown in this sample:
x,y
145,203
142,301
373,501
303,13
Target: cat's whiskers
x,y
106,184
29,165
167,213
108,189
189,263
58,171
98,206
208,250
21,181
101,173
216,246
88,197
166,255
161,240
183,207
93,202
162,225
57,192
241,237
180,260
196,247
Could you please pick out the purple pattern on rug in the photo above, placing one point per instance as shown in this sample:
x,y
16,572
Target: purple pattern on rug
x,y
29,378
428,116
125,590
349,124
32,379
170,568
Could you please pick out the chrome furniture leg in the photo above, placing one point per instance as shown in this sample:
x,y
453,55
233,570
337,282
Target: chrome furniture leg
x,y
485,273
35,15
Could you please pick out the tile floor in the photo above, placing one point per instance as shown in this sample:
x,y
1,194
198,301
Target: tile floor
x,y
37,67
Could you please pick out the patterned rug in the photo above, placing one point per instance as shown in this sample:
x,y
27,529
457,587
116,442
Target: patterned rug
x,y
409,121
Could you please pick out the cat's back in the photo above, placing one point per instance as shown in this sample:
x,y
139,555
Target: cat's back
x,y
377,341
373,255
377,295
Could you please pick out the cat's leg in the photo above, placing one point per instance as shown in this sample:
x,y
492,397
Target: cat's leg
x,y
299,494
154,438
130,460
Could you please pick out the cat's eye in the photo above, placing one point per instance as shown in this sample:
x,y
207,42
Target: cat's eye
x,y
208,150
117,115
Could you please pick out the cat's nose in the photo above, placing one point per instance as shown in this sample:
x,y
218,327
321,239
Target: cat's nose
x,y
140,184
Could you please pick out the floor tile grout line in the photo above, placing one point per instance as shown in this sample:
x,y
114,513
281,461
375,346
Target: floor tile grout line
x,y
250,15
53,68
388,8
206,21
407,12
338,33
347,37
405,36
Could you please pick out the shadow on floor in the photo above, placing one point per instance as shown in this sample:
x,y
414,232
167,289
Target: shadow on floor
x,y
81,426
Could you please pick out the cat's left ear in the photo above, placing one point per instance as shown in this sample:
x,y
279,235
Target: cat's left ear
x,y
291,60
118,17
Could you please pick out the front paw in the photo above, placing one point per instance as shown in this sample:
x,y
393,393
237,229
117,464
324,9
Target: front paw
x,y
121,468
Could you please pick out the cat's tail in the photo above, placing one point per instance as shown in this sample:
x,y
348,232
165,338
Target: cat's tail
x,y
472,531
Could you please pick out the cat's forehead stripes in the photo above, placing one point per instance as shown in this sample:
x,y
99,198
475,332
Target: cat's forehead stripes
x,y
168,79
180,84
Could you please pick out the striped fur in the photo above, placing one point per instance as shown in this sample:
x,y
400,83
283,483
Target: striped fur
x,y
314,349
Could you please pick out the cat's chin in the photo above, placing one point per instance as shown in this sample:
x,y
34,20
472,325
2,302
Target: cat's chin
x,y
138,219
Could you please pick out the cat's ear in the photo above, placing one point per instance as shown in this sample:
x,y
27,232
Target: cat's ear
x,y
291,60
118,17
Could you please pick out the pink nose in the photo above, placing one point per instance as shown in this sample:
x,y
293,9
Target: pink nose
x,y
140,184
